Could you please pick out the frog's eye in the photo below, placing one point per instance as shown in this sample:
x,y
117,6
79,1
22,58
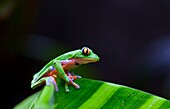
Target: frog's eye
x,y
85,50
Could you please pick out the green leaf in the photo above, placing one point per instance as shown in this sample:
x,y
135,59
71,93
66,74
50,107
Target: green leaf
x,y
93,94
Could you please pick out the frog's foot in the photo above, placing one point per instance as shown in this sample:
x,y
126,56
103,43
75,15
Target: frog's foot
x,y
72,83
52,80
78,76
66,87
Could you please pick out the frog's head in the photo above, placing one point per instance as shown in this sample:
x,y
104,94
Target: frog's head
x,y
85,55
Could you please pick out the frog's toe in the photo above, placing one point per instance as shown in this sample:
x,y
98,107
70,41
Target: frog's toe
x,y
77,87
66,88
56,89
78,76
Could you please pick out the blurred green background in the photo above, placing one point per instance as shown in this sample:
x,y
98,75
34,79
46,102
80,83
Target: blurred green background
x,y
132,39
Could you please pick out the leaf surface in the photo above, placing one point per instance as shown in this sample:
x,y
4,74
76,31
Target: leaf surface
x,y
93,94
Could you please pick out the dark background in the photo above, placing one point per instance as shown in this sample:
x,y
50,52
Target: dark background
x,y
132,38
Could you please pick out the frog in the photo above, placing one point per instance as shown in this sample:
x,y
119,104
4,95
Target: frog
x,y
61,66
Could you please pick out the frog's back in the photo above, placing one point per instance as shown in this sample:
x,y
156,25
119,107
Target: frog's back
x,y
61,57
64,56
67,55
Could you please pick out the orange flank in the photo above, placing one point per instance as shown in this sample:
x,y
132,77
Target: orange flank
x,y
66,66
54,72
51,73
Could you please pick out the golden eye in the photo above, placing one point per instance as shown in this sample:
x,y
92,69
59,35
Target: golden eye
x,y
86,50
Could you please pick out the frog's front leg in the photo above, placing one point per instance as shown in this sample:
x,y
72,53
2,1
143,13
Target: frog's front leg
x,y
63,75
72,83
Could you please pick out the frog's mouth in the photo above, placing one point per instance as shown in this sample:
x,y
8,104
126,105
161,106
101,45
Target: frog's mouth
x,y
90,60
85,60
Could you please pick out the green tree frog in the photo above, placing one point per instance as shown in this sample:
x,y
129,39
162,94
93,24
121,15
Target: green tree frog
x,y
61,65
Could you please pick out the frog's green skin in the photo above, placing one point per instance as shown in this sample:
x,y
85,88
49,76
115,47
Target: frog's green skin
x,y
62,64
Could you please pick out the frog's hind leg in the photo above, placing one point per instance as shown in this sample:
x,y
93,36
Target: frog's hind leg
x,y
51,79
